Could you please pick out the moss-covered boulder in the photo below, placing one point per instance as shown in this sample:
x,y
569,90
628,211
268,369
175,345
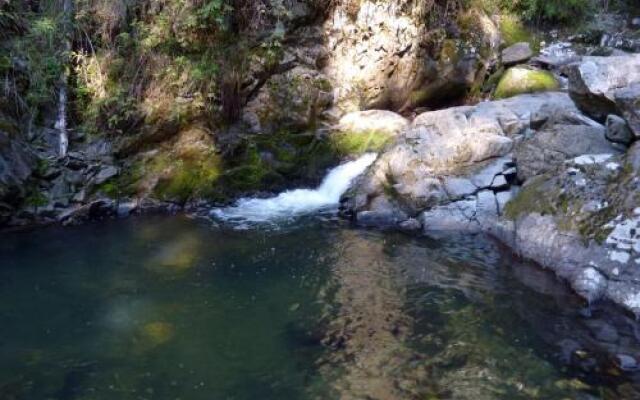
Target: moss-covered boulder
x,y
363,131
519,80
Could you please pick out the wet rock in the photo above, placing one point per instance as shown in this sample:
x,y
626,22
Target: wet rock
x,y
126,208
412,224
590,284
618,131
516,53
17,163
106,172
626,362
594,81
95,210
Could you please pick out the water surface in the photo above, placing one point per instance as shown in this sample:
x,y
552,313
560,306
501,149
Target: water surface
x,y
173,308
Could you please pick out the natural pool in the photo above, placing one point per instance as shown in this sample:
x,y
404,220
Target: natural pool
x,y
177,308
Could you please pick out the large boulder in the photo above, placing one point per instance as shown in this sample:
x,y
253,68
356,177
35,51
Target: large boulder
x,y
451,154
520,80
593,82
383,56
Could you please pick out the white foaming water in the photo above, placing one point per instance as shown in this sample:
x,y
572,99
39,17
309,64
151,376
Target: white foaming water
x,y
297,202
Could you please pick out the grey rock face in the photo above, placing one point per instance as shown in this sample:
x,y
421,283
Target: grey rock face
x,y
628,103
451,154
17,163
550,147
594,80
379,57
516,54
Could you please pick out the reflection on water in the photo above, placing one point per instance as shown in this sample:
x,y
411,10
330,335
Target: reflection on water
x,y
171,308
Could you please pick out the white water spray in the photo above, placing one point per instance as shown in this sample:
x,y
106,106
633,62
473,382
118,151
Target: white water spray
x,y
298,202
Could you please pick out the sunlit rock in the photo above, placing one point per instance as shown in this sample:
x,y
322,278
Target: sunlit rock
x,y
520,80
594,81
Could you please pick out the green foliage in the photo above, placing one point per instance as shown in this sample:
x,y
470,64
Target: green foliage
x,y
35,198
187,176
559,11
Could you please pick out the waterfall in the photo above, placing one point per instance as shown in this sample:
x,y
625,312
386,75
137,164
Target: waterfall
x,y
61,121
297,202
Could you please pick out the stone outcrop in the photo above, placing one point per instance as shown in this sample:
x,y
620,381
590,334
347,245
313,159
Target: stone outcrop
x,y
17,164
450,154
532,171
594,81
382,55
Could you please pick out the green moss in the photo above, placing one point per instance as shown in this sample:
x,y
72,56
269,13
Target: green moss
x,y
520,80
532,198
355,143
514,31
187,177
593,226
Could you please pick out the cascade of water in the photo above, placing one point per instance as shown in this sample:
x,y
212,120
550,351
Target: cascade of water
x,y
61,122
300,201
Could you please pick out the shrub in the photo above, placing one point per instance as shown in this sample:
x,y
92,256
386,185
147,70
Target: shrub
x,y
559,11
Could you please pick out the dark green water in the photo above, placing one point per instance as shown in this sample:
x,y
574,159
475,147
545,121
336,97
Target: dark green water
x,y
172,308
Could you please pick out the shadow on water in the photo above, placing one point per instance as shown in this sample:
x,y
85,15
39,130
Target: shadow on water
x,y
169,308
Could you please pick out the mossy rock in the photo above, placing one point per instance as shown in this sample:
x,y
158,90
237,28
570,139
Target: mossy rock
x,y
355,143
518,80
533,198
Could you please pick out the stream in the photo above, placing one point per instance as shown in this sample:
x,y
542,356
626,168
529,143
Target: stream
x,y
277,299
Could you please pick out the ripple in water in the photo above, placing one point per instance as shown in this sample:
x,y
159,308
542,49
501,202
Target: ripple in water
x,y
296,203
